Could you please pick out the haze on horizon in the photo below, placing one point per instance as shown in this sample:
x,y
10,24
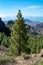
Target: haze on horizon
x,y
27,7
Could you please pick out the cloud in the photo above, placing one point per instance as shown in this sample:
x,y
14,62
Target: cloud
x,y
31,7
33,10
2,15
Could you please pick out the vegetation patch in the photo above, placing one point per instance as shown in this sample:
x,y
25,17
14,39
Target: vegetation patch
x,y
4,59
41,63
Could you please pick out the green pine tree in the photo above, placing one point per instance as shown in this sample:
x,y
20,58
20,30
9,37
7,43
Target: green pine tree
x,y
19,35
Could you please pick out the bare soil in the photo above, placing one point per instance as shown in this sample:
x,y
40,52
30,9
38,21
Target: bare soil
x,y
19,60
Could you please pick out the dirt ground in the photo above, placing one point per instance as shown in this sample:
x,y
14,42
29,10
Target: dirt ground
x,y
19,60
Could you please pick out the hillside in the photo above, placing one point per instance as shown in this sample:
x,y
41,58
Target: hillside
x,y
3,28
39,28
34,52
21,32
19,60
32,27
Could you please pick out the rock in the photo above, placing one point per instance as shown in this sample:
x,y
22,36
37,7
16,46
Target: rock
x,y
42,55
19,59
27,57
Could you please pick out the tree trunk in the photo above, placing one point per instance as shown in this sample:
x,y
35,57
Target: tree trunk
x,y
19,50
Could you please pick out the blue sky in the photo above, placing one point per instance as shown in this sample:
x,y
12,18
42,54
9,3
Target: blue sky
x,y
27,7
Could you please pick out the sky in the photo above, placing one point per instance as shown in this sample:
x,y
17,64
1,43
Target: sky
x,y
27,7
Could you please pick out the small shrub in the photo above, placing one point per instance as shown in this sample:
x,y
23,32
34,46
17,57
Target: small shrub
x,y
4,59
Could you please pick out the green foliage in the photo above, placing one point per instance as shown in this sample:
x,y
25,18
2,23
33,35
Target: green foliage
x,y
1,37
4,59
41,64
13,50
35,43
4,40
19,34
21,41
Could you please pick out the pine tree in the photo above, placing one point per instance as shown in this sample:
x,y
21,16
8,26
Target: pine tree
x,y
19,34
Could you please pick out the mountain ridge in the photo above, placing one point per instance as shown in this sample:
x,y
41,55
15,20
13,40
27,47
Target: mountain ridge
x,y
32,26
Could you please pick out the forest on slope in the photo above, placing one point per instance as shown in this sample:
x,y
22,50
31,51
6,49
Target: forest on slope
x,y
20,38
34,40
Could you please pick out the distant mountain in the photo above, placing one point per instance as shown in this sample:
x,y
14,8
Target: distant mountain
x,y
30,22
36,18
40,25
3,28
39,28
29,28
10,23
32,26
